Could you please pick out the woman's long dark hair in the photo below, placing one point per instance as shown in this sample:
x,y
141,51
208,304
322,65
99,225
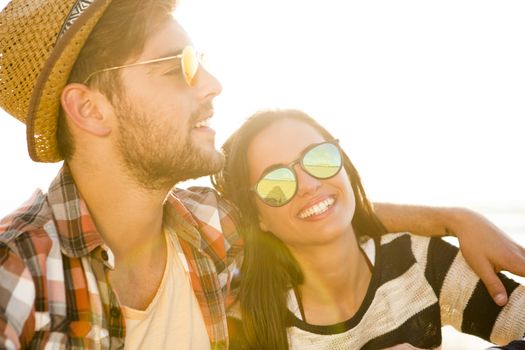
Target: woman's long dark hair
x,y
269,270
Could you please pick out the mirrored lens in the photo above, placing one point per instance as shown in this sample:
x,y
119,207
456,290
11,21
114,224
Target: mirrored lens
x,y
190,64
277,187
322,161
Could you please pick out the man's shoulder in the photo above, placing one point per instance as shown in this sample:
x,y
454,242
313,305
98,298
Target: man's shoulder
x,y
26,234
197,194
29,219
197,198
24,244
209,211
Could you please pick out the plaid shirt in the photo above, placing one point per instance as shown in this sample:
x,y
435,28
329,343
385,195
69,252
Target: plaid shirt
x,y
54,290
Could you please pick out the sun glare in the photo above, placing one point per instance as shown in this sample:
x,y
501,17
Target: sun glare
x,y
426,97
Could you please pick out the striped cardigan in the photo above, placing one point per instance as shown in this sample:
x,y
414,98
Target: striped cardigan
x,y
418,285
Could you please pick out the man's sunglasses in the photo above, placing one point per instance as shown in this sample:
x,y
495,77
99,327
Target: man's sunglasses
x,y
278,184
189,64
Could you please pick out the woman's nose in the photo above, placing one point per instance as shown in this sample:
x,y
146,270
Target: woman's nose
x,y
306,183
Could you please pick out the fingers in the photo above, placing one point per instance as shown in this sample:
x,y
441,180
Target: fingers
x,y
493,283
515,262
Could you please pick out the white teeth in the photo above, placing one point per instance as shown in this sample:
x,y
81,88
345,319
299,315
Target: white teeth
x,y
202,123
317,209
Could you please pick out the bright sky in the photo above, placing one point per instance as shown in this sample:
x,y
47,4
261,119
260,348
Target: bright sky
x,y
427,97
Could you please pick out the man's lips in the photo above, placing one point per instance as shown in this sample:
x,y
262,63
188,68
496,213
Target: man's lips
x,y
202,123
204,120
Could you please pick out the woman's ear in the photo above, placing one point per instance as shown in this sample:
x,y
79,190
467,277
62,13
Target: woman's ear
x,y
82,107
263,225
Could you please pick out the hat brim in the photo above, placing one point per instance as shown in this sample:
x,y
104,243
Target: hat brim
x,y
44,105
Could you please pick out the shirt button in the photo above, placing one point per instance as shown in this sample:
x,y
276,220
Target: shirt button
x,y
115,311
104,255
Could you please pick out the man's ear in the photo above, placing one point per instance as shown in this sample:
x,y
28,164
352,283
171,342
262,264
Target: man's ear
x,y
81,105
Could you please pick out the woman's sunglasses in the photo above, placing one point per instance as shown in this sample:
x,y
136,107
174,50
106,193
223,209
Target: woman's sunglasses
x,y
189,59
278,184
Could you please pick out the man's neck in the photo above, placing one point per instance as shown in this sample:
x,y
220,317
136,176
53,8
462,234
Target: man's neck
x,y
128,217
129,220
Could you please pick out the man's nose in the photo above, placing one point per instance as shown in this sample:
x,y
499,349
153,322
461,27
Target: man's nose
x,y
207,85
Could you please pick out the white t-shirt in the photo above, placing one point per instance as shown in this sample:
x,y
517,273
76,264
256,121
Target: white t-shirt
x,y
173,320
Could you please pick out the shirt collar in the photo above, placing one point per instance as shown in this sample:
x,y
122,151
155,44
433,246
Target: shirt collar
x,y
76,229
178,217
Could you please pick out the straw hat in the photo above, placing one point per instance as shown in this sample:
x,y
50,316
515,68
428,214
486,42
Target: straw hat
x,y
39,44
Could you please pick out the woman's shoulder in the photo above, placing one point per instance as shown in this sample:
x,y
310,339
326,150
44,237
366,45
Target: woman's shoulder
x,y
403,241
401,236
411,248
404,246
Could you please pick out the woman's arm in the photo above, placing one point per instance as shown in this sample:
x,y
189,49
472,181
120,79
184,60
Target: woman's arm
x,y
485,247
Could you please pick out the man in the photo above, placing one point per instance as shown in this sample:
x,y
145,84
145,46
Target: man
x,y
111,256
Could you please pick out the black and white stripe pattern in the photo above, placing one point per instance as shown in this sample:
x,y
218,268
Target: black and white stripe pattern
x,y
77,10
418,285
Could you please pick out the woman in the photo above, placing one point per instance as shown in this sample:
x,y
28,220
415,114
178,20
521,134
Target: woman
x,y
320,270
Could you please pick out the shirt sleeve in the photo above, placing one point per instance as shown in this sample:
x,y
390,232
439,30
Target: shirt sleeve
x,y
17,298
465,302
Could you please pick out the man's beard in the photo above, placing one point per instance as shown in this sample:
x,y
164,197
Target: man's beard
x,y
158,156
